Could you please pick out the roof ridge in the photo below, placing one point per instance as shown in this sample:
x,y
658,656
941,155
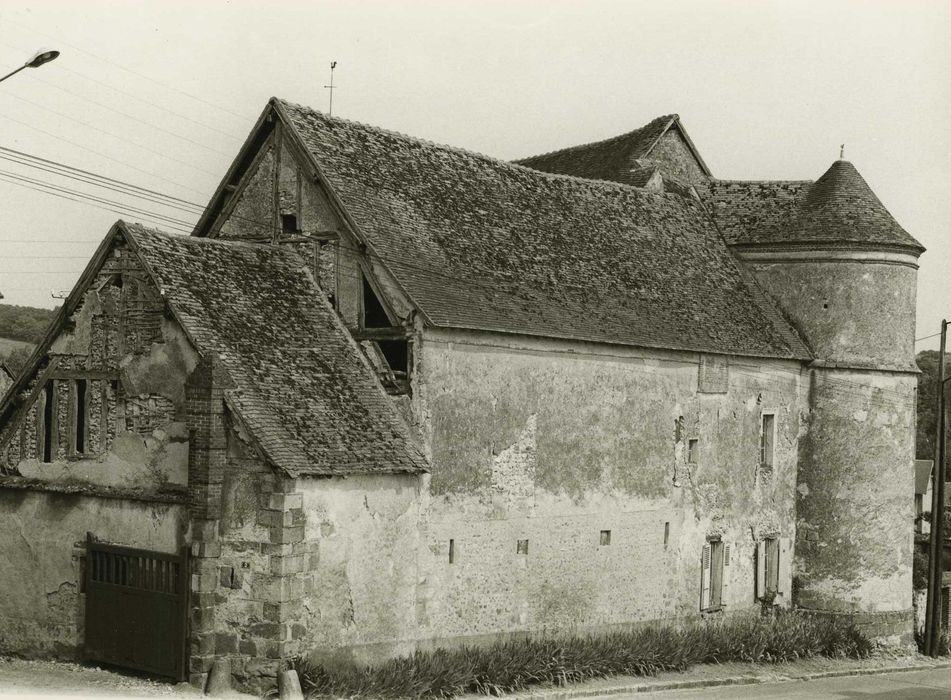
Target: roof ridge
x,y
666,117
762,182
474,154
204,240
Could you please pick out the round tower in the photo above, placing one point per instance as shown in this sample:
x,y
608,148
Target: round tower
x,y
845,273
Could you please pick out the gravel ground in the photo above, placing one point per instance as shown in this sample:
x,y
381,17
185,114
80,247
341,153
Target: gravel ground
x,y
20,678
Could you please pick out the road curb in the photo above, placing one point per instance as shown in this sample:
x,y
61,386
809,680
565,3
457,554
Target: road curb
x,y
656,686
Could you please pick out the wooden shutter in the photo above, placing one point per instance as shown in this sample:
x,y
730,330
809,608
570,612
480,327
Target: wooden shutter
x,y
760,569
725,577
705,578
785,566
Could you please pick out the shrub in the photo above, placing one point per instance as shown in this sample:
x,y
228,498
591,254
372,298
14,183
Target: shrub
x,y
517,664
919,569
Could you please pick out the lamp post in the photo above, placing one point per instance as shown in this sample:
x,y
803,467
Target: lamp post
x,y
41,57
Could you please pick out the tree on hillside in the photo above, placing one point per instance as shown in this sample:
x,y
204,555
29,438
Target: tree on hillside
x,y
927,398
17,359
24,322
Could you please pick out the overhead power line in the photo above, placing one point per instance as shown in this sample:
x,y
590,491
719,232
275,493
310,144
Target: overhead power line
x,y
148,149
121,67
113,111
123,163
90,177
152,104
113,207
933,335
86,195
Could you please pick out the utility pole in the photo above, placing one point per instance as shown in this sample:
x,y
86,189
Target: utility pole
x,y
330,112
936,542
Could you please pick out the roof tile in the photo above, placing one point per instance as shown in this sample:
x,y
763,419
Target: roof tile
x,y
485,244
300,384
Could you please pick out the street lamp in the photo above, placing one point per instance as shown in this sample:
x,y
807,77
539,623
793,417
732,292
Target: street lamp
x,y
41,57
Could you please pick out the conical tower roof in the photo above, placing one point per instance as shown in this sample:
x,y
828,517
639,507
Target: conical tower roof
x,y
837,209
840,206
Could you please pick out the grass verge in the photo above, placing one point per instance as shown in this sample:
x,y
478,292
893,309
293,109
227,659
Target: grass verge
x,y
515,665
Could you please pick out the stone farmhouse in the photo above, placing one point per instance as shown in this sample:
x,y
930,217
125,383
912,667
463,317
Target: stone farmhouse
x,y
392,395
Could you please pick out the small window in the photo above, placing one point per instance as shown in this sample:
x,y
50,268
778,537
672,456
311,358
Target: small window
x,y
767,443
47,422
666,533
452,551
289,223
693,451
81,409
605,537
521,547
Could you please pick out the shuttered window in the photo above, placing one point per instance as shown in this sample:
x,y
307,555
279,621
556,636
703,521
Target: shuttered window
x,y
772,566
714,575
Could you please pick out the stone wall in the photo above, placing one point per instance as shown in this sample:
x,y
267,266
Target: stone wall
x,y
42,548
855,497
854,500
119,472
555,443
360,589
851,312
566,494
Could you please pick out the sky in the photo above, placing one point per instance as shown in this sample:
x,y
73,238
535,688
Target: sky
x,y
162,94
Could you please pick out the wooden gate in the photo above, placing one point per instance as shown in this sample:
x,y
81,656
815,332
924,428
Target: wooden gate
x,y
136,607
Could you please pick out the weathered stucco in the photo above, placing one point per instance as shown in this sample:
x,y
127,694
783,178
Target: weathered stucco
x,y
851,312
856,481
121,488
41,608
134,362
855,497
498,415
533,440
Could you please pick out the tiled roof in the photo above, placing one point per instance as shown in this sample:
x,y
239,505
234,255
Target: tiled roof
x,y
611,159
481,243
300,384
837,208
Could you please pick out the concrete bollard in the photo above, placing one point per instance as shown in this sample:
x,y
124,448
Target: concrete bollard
x,y
288,685
219,680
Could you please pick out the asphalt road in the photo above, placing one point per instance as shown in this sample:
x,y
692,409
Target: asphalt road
x,y
931,684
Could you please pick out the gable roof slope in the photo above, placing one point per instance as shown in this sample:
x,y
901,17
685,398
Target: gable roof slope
x,y
485,244
609,159
839,209
300,384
